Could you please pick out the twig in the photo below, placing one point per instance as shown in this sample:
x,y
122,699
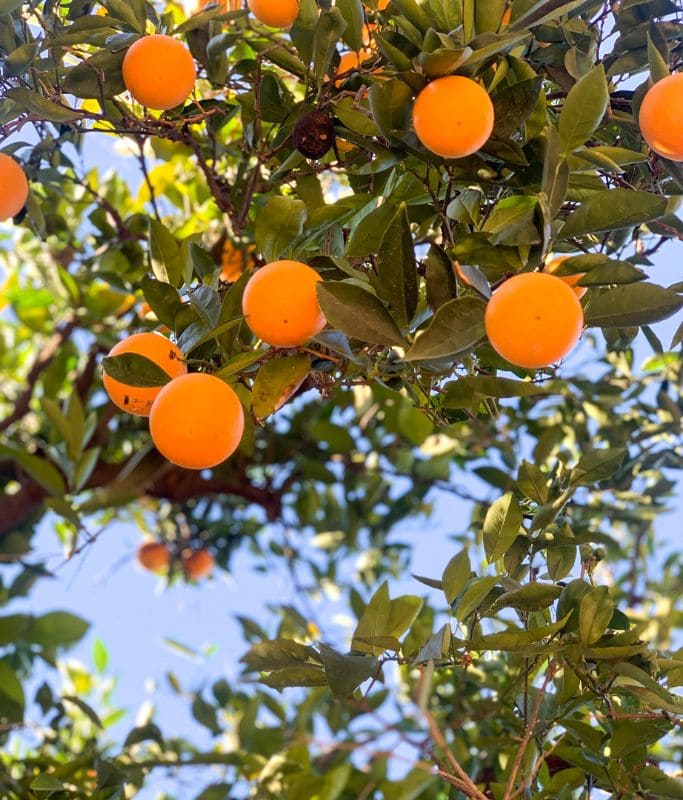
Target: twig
x,y
467,787
529,732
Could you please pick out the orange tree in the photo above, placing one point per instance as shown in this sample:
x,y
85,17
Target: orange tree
x,y
469,141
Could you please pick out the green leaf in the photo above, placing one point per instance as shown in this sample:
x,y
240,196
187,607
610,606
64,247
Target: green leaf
x,y
402,614
435,647
45,109
532,597
135,370
443,60
512,221
614,209
374,621
439,277
595,612
474,596
99,76
532,482
517,639
275,654
514,103
13,627
352,12
457,573
396,282
658,784
358,313
163,299
44,473
543,11
86,709
100,656
167,261
12,701
597,465
502,524
305,675
58,629
344,673
631,305
391,106
46,784
583,109
331,25
457,326
276,381
278,224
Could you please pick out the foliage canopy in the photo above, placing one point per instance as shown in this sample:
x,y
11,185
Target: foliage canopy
x,y
539,658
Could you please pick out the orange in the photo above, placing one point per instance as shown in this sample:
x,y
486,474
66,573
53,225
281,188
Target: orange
x,y
196,421
453,116
233,261
159,71
276,13
197,563
154,556
382,4
13,187
552,266
507,16
138,399
280,304
533,320
661,117
223,5
347,62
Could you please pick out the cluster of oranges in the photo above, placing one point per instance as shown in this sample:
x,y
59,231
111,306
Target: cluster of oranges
x,y
533,319
156,557
196,420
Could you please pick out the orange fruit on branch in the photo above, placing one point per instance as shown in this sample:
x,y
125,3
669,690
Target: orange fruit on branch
x,y
661,117
275,13
533,320
280,304
233,261
197,563
154,556
13,187
166,355
571,280
453,116
159,71
196,421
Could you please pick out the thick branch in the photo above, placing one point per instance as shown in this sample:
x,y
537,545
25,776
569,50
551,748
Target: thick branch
x,y
153,477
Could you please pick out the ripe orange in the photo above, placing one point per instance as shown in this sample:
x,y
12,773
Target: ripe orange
x,y
13,187
661,117
453,116
347,62
276,13
196,421
533,320
154,556
553,264
138,399
233,261
223,5
507,16
197,563
280,304
382,4
159,71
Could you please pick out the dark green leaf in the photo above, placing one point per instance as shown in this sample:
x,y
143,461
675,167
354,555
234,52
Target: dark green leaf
x,y
583,109
614,209
457,326
630,305
358,313
135,370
